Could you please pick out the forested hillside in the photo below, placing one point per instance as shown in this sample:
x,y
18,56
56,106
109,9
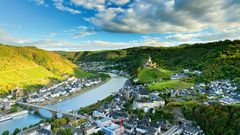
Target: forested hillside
x,y
215,119
29,66
217,60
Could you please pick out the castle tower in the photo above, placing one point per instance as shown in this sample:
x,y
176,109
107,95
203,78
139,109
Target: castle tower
x,y
149,59
149,63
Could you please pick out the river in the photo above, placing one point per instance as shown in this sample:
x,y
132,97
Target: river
x,y
74,103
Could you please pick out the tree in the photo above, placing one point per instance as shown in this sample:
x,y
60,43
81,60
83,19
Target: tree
x,y
68,119
6,132
16,131
66,131
58,123
14,109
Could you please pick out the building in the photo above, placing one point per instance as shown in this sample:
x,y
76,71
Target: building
x,y
192,130
149,63
17,92
128,127
146,104
42,129
143,93
98,114
112,129
92,129
196,72
229,101
104,122
178,76
6,106
127,94
186,71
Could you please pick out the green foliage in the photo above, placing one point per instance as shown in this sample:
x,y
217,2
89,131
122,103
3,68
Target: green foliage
x,y
89,109
79,122
57,123
80,73
174,84
14,108
16,131
6,132
237,80
217,60
160,113
66,131
215,119
153,74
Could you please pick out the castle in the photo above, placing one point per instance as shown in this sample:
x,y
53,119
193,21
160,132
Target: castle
x,y
149,63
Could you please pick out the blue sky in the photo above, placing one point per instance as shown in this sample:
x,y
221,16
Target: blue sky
x,y
75,25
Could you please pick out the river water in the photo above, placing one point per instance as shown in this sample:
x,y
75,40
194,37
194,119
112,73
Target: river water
x,y
85,99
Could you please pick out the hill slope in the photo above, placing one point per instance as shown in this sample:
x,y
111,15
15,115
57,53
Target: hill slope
x,y
217,60
151,75
27,66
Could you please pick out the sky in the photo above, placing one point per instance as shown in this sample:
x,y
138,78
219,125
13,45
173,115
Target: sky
x,y
80,25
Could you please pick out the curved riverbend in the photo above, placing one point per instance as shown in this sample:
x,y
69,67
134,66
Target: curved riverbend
x,y
74,103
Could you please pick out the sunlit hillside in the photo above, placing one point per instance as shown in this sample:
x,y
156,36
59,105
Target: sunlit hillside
x,y
29,66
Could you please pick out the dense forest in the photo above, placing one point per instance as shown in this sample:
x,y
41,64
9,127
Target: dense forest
x,y
217,60
215,119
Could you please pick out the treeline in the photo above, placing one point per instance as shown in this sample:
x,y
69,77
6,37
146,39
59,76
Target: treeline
x,y
89,109
215,119
217,60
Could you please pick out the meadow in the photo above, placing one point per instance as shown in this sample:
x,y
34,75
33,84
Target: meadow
x,y
174,84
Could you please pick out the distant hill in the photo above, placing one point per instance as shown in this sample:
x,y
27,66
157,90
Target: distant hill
x,y
29,66
217,60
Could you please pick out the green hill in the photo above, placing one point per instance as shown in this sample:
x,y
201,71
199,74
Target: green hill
x,y
153,74
30,66
217,60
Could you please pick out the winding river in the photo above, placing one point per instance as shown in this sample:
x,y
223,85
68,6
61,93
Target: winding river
x,y
74,103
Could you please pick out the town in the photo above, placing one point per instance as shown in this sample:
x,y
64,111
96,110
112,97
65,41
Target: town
x,y
134,109
113,117
45,96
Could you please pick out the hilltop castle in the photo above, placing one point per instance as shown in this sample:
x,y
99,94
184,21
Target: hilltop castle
x,y
149,63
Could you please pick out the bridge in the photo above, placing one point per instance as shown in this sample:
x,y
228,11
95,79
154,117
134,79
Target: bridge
x,y
54,111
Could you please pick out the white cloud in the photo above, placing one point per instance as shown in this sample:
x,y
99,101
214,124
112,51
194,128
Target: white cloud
x,y
120,2
150,41
75,32
6,38
166,16
80,31
205,36
50,44
90,4
59,4
94,45
39,2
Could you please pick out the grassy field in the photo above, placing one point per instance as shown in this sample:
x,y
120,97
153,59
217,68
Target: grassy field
x,y
174,84
151,75
80,73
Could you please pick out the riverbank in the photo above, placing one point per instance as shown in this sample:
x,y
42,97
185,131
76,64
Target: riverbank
x,y
54,100
77,93
12,115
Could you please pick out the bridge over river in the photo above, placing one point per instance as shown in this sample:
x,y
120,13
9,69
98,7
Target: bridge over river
x,y
54,111
85,99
